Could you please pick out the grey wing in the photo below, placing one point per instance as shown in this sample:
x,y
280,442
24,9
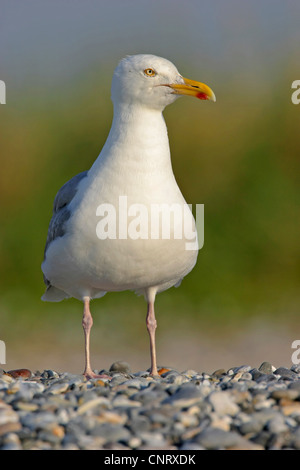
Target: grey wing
x,y
61,211
67,192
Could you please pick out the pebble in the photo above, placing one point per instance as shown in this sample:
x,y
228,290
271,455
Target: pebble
x,y
111,432
290,394
58,388
50,374
9,419
277,424
91,404
120,366
19,373
241,369
243,408
219,373
284,372
214,438
295,385
223,403
186,396
266,368
223,422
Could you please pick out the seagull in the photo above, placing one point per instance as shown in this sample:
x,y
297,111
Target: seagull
x,y
100,238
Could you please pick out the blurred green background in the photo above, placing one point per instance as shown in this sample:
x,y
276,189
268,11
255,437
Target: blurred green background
x,y
239,157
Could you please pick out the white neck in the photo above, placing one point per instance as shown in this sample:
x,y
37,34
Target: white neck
x,y
138,138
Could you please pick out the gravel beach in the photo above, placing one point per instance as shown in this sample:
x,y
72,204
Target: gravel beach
x,y
243,408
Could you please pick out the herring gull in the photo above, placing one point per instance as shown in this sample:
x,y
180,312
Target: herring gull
x,y
100,238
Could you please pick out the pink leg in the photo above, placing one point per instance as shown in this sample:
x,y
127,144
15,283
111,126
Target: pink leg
x,y
151,327
87,323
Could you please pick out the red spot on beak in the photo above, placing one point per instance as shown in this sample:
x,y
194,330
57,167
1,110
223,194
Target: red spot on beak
x,y
202,96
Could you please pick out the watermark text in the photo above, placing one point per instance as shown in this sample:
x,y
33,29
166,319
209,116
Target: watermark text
x,y
2,352
2,92
296,354
296,94
154,221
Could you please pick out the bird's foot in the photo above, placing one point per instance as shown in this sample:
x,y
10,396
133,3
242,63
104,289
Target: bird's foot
x,y
154,373
89,374
155,376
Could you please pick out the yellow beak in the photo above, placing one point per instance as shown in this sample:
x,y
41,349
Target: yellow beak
x,y
193,88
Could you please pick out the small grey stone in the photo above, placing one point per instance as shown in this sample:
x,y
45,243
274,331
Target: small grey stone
x,y
187,419
169,372
262,438
214,438
187,395
122,401
73,432
69,446
225,380
49,374
295,385
11,446
284,372
172,389
160,415
251,426
257,421
191,446
223,403
246,376
120,366
136,383
204,375
103,372
143,374
147,397
155,439
49,436
266,368
27,390
190,373
241,369
117,379
265,378
111,432
277,424
58,387
295,368
256,373
40,420
177,379
88,396
289,393
219,373
139,424
11,441
295,438
113,446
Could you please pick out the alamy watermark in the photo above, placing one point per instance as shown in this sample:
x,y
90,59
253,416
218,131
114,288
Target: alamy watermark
x,y
296,94
154,221
2,352
296,354
2,92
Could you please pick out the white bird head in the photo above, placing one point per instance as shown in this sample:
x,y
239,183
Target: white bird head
x,y
152,81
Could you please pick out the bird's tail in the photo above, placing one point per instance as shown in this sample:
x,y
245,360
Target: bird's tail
x,y
53,294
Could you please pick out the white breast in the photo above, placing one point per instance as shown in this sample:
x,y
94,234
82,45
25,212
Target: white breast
x,y
136,166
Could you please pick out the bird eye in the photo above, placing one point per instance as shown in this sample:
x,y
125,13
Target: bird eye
x,y
149,72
